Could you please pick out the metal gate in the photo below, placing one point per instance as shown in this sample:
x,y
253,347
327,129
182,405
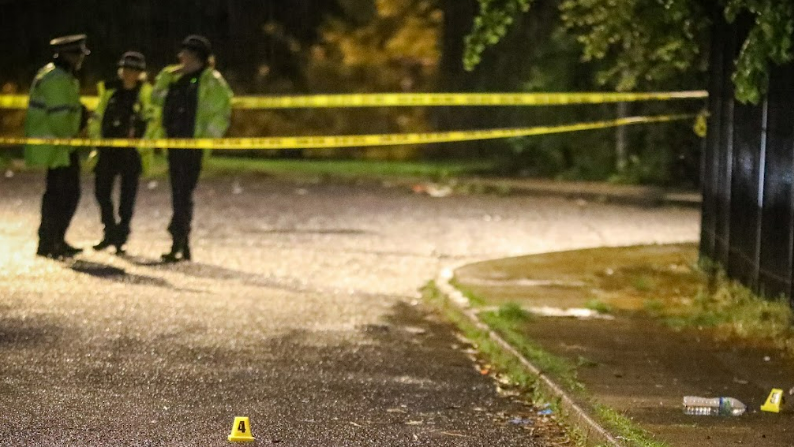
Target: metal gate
x,y
748,174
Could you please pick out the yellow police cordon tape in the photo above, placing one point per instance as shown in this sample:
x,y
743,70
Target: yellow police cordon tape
x,y
416,99
453,99
316,142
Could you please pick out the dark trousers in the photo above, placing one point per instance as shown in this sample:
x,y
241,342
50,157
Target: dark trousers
x,y
126,164
184,166
61,196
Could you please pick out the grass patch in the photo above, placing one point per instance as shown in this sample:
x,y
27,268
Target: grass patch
x,y
653,307
666,282
642,283
218,165
663,282
507,321
346,169
513,313
626,429
503,361
474,298
598,306
735,311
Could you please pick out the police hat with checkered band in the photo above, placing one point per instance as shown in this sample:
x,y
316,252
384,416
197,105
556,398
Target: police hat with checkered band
x,y
134,60
70,44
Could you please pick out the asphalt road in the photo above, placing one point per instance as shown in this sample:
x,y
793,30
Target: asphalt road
x,y
301,311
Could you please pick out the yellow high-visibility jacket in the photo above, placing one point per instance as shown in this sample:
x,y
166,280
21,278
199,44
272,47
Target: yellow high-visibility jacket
x,y
54,111
214,111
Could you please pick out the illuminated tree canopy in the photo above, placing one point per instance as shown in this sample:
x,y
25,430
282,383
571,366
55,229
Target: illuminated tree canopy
x,y
644,42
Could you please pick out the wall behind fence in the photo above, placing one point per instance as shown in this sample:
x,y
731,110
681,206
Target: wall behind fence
x,y
748,174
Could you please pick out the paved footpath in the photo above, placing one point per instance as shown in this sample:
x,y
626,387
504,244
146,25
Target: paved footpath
x,y
301,312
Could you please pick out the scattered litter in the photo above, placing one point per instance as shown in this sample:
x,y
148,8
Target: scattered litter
x,y
452,433
415,330
355,424
767,358
521,421
151,185
609,272
237,188
507,392
546,410
523,282
713,406
432,190
414,423
547,311
791,391
9,173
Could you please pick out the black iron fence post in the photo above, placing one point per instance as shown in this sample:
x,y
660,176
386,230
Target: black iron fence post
x,y
748,174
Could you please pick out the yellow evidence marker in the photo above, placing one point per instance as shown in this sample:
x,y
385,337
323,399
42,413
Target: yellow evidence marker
x,y
241,430
774,401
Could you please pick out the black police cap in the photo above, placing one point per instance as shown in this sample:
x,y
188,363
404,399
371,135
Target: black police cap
x,y
198,44
134,60
70,44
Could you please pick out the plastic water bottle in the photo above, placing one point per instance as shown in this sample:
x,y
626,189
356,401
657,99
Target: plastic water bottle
x,y
713,406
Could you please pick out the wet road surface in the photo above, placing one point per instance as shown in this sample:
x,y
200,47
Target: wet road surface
x,y
301,311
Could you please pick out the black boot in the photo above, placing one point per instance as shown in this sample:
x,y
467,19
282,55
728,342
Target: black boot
x,y
179,251
120,239
108,239
64,250
186,251
103,244
46,250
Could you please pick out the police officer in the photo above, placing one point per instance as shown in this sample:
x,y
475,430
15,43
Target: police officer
x,y
123,112
55,111
196,103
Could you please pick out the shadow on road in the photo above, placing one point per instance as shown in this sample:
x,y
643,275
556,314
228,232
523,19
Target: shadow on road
x,y
320,231
18,332
111,273
210,271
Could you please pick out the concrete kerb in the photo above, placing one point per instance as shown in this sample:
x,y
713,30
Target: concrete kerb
x,y
593,432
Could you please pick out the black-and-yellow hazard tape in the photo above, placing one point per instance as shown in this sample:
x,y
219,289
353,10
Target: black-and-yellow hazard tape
x,y
317,142
416,99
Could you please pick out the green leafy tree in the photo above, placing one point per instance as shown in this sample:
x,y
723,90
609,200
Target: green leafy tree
x,y
646,42
769,41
